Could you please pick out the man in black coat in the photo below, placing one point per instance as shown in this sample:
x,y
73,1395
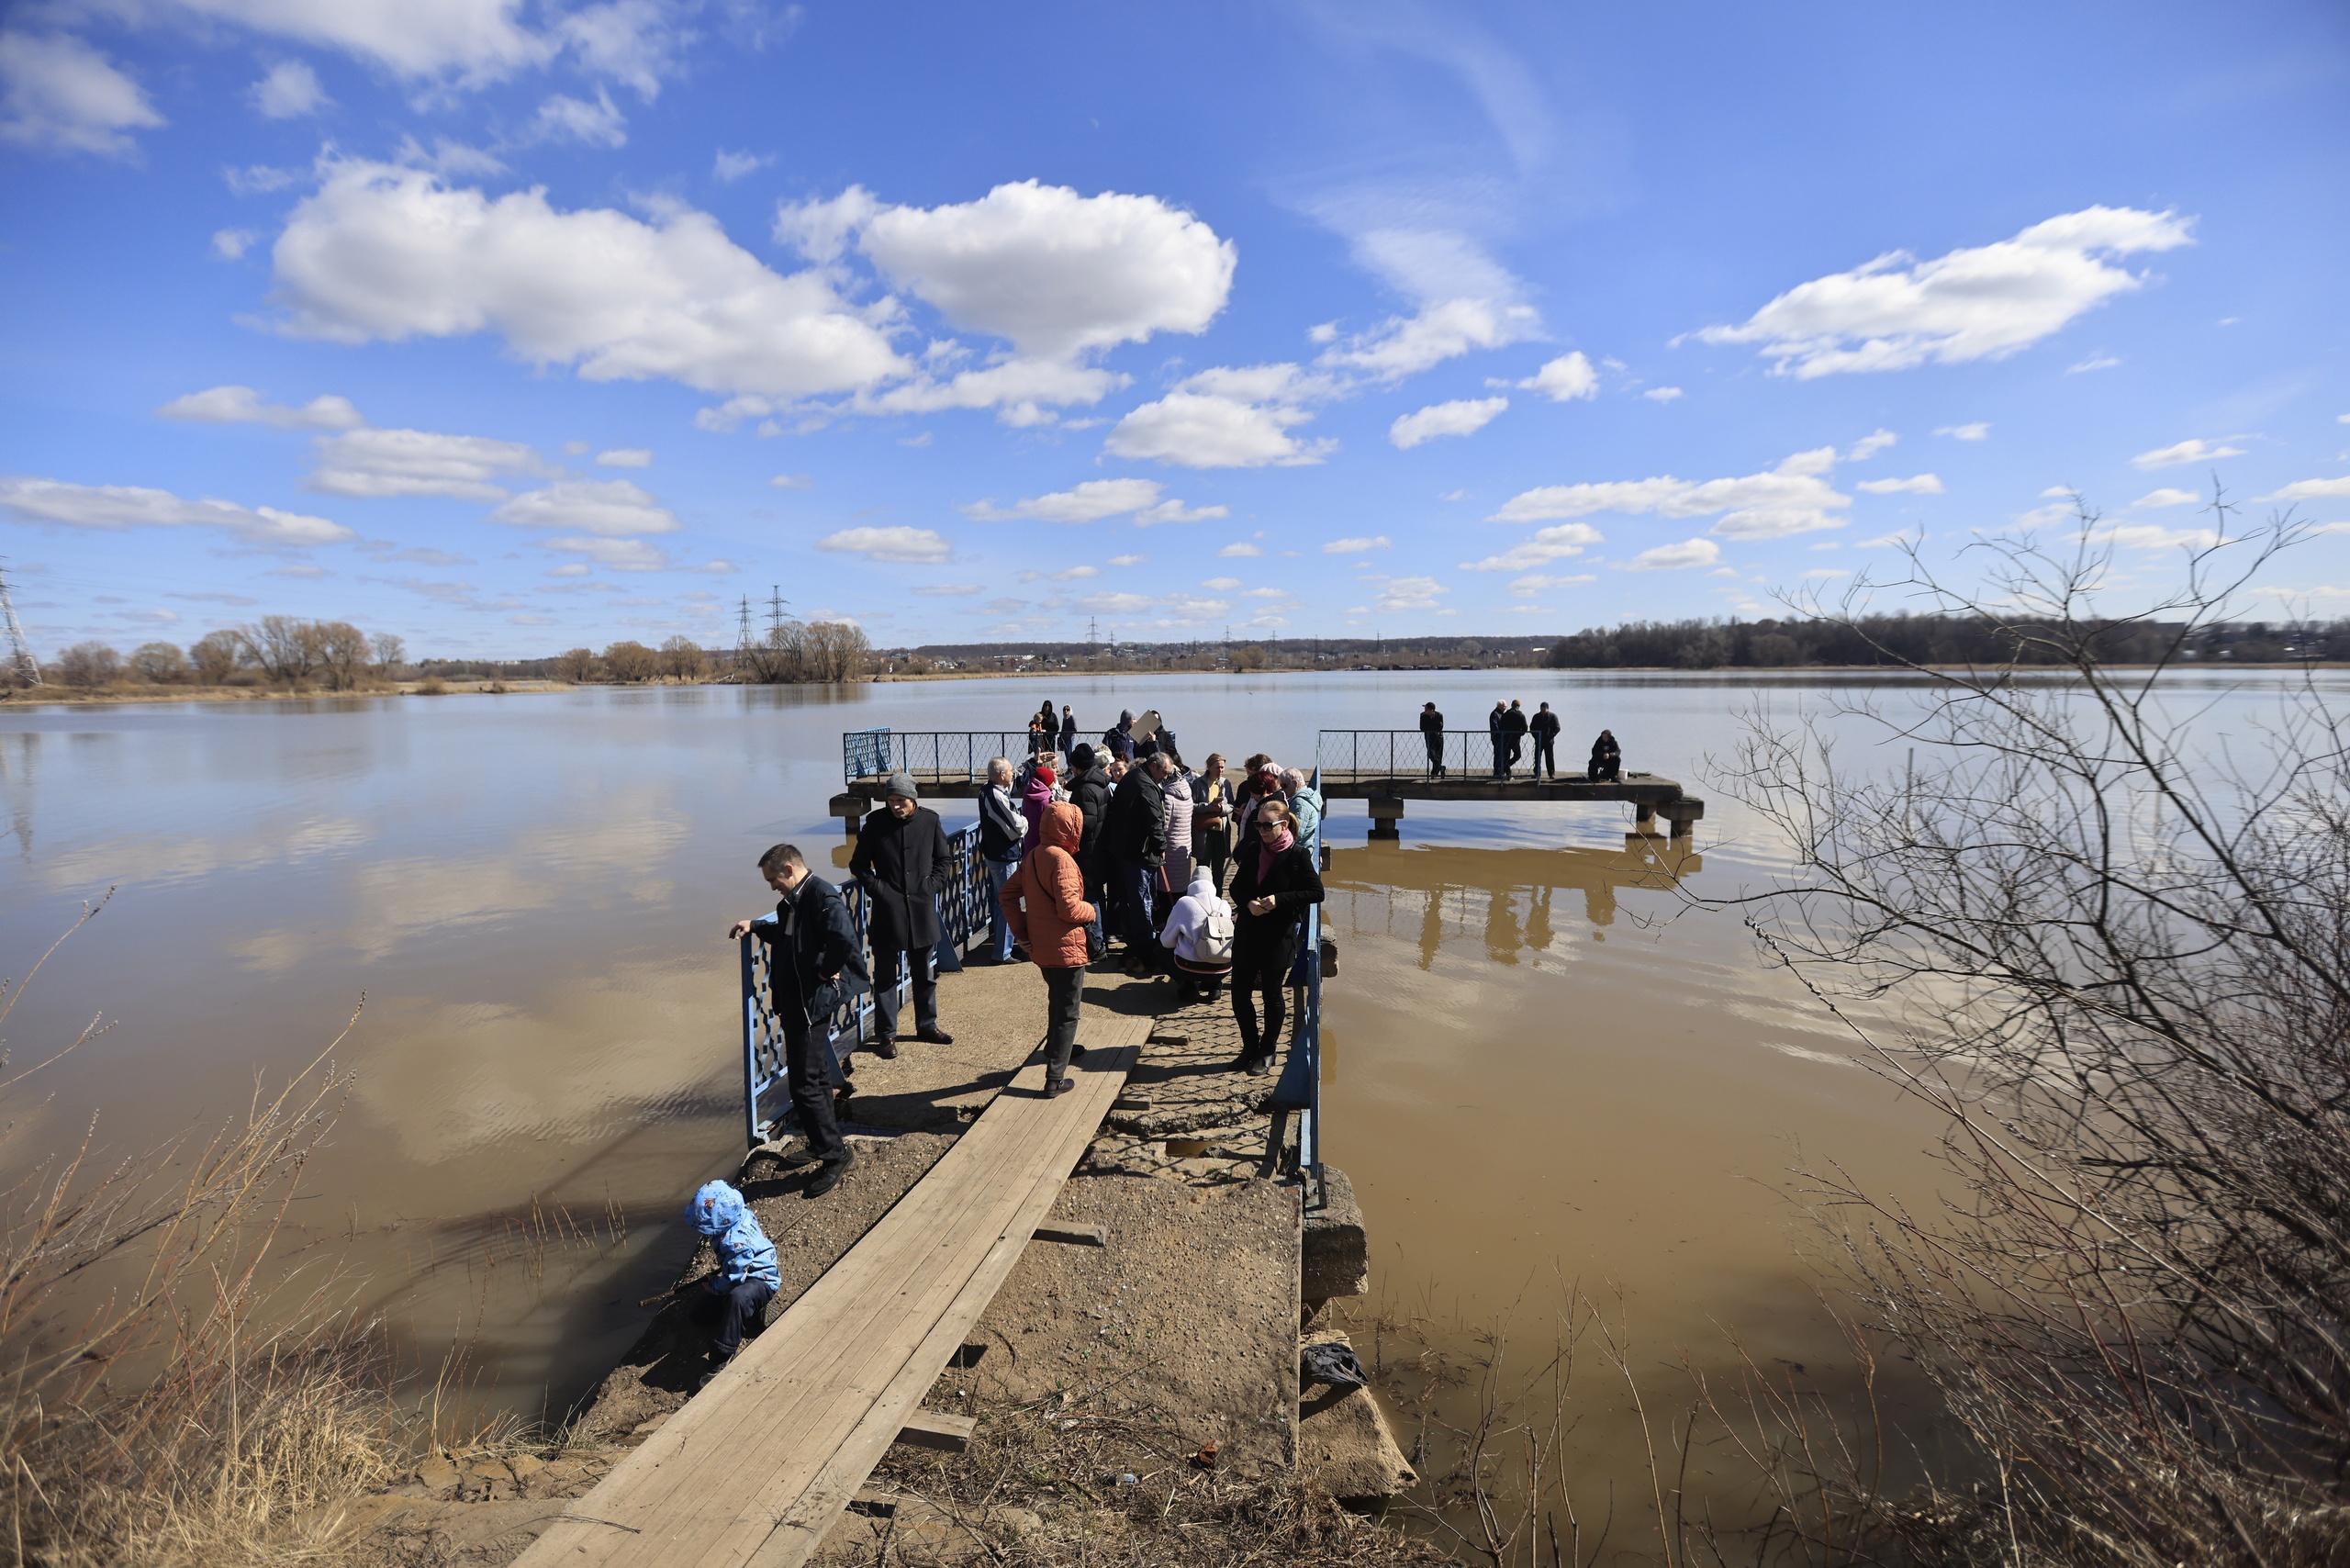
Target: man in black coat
x,y
901,862
813,965
1545,742
1089,789
1606,765
1133,847
1514,731
1497,732
1273,884
1432,732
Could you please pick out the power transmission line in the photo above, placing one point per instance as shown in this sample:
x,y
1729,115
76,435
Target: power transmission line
x,y
20,653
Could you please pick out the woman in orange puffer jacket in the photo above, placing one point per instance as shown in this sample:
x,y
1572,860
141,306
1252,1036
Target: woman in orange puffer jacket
x,y
1044,901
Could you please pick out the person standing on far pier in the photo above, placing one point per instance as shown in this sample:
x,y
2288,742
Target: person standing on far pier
x,y
1514,730
1545,742
1069,728
1497,732
901,860
1432,732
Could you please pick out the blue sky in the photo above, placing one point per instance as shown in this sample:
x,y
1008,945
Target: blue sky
x,y
507,326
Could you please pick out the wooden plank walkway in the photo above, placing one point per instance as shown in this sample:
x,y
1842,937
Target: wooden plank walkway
x,y
758,1465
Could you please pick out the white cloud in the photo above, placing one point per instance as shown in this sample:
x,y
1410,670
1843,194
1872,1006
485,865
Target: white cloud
x,y
1869,445
2152,536
1546,545
1240,551
242,406
1564,379
1675,557
473,40
1462,416
1466,301
1409,594
2095,362
609,509
2311,490
1054,272
1791,498
386,252
290,91
378,463
1357,546
1221,585
1825,573
619,554
2196,450
917,544
1535,582
1116,603
1073,574
1269,593
729,167
231,244
1095,499
1128,560
1228,418
563,119
1979,431
2167,497
107,508
949,590
57,91
1983,302
1916,485
260,179
794,481
624,457
1662,394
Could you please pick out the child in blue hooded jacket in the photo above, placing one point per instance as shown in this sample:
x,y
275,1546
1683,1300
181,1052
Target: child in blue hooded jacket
x,y
746,1277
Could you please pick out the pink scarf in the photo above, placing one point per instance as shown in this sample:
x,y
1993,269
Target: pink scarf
x,y
1268,851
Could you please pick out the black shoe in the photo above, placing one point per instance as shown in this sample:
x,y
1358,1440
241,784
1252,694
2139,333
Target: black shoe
x,y
1244,1062
1258,1066
1056,1087
885,1048
934,1036
802,1157
828,1176
716,1364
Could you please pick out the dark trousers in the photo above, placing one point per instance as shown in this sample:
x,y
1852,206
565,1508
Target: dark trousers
x,y
733,1311
887,968
1546,755
1064,997
815,1073
1501,754
1261,971
1436,756
1132,885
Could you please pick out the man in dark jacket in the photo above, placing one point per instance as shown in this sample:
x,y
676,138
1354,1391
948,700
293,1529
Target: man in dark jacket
x,y
1545,742
1273,884
1132,847
1606,765
1432,732
813,965
1089,789
1497,732
901,860
1514,731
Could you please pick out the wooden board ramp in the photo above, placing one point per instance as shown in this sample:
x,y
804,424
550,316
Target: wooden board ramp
x,y
757,1466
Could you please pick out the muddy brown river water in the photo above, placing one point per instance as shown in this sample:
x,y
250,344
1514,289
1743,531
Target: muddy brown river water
x,y
1545,1066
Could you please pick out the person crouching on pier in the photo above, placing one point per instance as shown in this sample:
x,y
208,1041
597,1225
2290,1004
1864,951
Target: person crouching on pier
x,y
1046,904
1606,765
1200,934
901,860
746,1277
1272,887
813,965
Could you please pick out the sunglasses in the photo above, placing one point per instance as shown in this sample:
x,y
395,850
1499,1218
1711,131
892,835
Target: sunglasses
x,y
1270,827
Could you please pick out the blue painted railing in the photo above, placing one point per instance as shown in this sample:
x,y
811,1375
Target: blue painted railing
x,y
963,920
1298,1092
933,756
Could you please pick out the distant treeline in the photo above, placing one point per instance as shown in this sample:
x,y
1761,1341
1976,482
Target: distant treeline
x,y
1926,640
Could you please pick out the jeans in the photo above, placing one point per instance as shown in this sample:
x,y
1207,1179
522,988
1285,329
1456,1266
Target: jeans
x,y
1546,754
1064,995
1436,756
733,1310
1132,884
1500,756
999,928
815,1072
924,967
1262,971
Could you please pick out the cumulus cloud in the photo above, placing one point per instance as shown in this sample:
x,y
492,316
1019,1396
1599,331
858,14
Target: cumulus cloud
x,y
563,119
921,546
1981,302
1221,585
2193,451
2152,536
729,167
110,508
243,406
1094,500
1536,582
1546,545
57,93
1564,379
1916,484
609,509
1675,557
1241,550
1662,394
1409,594
1462,416
290,91
1466,301
1228,418
1795,498
1357,546
1073,574
1979,431
949,590
384,252
619,554
2311,490
2167,497
231,244
379,463
624,457
1869,445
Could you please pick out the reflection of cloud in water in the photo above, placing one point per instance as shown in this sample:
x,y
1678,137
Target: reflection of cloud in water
x,y
622,855
151,860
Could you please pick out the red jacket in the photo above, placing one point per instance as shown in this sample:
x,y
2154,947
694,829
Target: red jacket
x,y
1045,900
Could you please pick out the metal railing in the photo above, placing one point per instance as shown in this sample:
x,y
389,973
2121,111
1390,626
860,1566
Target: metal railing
x,y
1406,754
1298,1092
933,756
963,920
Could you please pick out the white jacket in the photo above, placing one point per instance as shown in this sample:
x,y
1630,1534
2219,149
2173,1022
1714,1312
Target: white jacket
x,y
1189,917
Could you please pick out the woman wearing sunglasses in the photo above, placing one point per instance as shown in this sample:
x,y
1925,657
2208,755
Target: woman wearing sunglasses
x,y
1272,886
